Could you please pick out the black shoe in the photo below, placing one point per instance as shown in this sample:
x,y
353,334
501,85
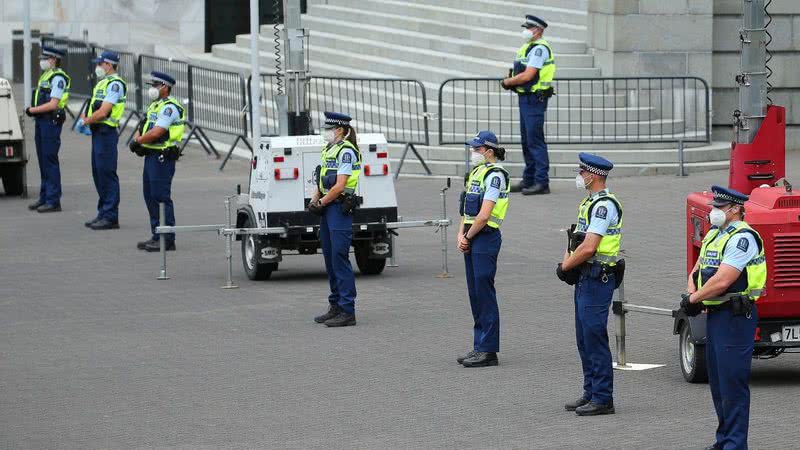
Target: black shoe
x,y
91,222
104,224
469,355
481,359
518,187
342,319
46,208
155,246
572,406
33,206
333,311
143,244
595,409
536,189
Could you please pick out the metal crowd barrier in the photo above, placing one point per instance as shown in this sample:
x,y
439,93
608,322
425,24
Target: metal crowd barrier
x,y
269,92
583,111
218,103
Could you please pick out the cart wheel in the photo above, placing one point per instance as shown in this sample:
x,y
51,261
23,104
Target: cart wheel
x,y
250,250
365,264
12,179
692,356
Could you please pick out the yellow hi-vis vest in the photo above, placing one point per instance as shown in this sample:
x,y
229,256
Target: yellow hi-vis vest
x,y
174,134
753,278
99,93
475,188
43,88
330,167
544,78
608,249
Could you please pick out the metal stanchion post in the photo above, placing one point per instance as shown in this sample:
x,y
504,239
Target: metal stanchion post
x,y
620,319
393,259
443,229
681,160
229,246
162,245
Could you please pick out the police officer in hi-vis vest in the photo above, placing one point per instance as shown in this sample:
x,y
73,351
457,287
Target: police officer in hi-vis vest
x,y
335,201
484,204
532,80
102,116
157,140
726,281
592,266
47,109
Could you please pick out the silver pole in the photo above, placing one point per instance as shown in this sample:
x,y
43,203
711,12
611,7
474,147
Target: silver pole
x,y
255,83
229,247
443,229
620,332
753,78
162,246
393,259
681,160
26,52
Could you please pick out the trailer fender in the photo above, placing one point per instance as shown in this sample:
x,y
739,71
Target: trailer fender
x,y
696,324
242,215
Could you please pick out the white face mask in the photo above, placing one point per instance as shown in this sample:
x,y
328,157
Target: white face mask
x,y
44,64
580,183
329,136
717,217
100,72
477,159
527,34
152,92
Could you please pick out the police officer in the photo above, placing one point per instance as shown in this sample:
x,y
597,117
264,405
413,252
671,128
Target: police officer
x,y
335,200
484,204
47,108
727,279
532,78
593,264
157,139
103,114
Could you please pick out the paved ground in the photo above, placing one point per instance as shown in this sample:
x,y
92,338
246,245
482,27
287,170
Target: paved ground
x,y
95,353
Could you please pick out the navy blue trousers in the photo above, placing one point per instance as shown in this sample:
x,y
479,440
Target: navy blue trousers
x,y
104,172
481,267
592,301
729,352
156,187
48,141
335,235
534,146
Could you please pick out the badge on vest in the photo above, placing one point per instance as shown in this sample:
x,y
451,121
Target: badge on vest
x,y
496,183
711,254
601,212
347,158
537,52
743,244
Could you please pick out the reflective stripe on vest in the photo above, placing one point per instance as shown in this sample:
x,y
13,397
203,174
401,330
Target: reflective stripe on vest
x,y
753,278
476,185
99,93
608,249
43,88
330,163
174,134
545,75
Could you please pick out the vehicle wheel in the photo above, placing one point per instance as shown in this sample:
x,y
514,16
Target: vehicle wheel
x,y
250,249
12,180
692,356
365,264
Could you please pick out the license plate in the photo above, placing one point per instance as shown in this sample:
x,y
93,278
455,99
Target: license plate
x,y
791,334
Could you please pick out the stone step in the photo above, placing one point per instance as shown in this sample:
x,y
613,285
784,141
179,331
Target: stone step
x,y
498,19
561,11
509,126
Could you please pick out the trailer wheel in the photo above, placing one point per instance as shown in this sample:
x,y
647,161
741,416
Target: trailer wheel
x,y
692,356
367,265
12,179
250,250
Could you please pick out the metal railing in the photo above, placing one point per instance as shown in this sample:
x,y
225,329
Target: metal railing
x,y
583,111
267,99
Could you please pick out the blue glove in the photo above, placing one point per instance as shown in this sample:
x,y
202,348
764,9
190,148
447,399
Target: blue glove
x,y
81,128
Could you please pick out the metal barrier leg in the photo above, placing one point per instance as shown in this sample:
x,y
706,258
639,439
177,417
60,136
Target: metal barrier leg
x,y
229,247
681,162
393,259
230,151
208,141
619,313
443,229
162,246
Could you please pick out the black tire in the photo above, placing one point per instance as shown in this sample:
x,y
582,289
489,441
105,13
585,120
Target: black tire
x,y
366,265
250,249
12,179
692,357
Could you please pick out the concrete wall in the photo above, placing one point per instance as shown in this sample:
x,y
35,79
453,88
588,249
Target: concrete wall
x,y
162,27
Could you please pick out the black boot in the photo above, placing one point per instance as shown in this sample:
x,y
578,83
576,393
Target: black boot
x,y
572,406
481,359
143,244
333,311
91,222
469,355
536,189
595,409
104,224
35,205
154,246
342,319
47,208
518,187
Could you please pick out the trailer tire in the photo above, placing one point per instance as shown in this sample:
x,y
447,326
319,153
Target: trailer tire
x,y
367,265
250,249
13,179
692,357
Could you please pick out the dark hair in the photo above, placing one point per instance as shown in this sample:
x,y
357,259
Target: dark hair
x,y
499,153
352,137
